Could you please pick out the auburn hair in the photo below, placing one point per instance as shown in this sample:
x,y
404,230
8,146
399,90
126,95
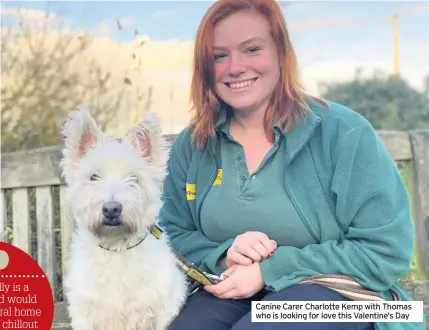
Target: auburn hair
x,y
288,101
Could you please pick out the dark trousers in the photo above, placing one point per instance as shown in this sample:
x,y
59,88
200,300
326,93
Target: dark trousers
x,y
203,311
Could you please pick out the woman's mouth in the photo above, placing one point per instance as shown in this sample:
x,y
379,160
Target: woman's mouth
x,y
238,86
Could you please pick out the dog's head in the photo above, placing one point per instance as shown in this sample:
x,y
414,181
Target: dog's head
x,y
114,186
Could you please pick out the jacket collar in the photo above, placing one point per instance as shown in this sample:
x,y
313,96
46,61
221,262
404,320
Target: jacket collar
x,y
296,138
221,118
300,134
224,117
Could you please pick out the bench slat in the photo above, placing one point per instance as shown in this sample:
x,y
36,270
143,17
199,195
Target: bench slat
x,y
45,232
21,219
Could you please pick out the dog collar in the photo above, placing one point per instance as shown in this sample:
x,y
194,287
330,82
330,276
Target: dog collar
x,y
184,265
154,230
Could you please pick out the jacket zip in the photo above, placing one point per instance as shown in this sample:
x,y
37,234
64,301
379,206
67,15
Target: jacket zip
x,y
205,192
295,204
304,221
203,196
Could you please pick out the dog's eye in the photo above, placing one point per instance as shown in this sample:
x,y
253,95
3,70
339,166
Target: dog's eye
x,y
134,178
94,177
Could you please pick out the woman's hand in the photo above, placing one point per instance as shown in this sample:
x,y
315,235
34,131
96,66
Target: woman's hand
x,y
242,282
250,247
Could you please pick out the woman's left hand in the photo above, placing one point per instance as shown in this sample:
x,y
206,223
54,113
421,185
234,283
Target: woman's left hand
x,y
242,282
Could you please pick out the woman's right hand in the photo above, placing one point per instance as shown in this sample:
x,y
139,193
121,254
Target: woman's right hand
x,y
250,247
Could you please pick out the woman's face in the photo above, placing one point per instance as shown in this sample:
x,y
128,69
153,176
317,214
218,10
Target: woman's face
x,y
245,61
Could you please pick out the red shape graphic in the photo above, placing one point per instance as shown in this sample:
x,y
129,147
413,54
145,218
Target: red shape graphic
x,y
26,298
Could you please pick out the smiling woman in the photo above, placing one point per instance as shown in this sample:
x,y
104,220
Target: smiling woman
x,y
246,71
292,197
261,45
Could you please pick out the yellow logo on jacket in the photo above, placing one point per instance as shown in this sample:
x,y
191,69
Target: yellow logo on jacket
x,y
190,191
218,179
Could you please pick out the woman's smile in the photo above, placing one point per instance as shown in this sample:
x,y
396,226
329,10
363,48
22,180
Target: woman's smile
x,y
240,86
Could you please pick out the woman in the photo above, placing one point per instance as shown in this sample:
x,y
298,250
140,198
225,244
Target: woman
x,y
271,186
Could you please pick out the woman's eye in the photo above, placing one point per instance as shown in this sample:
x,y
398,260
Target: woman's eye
x,y
94,177
253,50
218,57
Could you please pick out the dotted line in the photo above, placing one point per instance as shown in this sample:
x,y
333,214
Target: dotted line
x,y
22,276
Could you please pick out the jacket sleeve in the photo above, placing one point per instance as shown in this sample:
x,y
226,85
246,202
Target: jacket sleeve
x,y
372,206
176,217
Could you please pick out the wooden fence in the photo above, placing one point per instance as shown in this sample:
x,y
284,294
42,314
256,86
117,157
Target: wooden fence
x,y
34,213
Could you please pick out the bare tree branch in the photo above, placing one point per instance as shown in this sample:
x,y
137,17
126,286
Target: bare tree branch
x,y
46,73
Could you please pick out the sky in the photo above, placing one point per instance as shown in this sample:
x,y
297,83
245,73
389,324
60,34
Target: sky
x,y
331,38
163,20
178,20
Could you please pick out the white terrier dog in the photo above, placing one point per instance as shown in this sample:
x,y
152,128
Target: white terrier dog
x,y
120,276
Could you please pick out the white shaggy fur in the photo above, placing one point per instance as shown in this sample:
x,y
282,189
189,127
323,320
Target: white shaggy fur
x,y
139,288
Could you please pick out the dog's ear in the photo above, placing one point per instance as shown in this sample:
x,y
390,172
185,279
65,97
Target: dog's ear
x,y
81,133
146,138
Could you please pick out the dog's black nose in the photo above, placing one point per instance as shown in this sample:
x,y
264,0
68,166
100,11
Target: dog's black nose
x,y
112,210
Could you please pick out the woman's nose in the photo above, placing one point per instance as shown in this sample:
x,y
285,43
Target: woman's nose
x,y
237,66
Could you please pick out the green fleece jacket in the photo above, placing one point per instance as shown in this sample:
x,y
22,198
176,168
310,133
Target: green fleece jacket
x,y
343,184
